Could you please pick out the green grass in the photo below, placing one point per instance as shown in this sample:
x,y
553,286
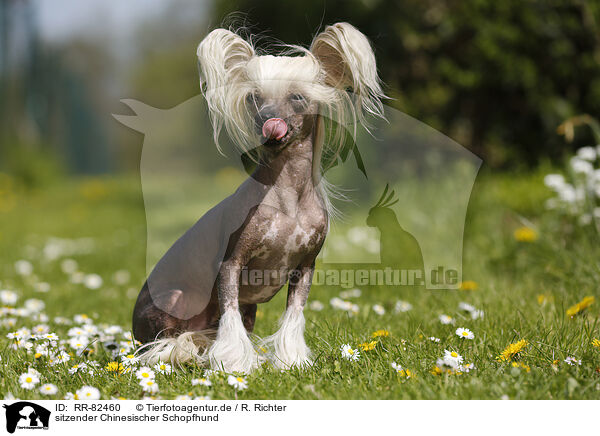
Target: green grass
x,y
562,264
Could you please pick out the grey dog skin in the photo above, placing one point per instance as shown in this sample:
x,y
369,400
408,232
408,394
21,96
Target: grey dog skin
x,y
283,231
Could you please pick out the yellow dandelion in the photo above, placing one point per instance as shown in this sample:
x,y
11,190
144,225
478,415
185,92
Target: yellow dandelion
x,y
544,298
511,351
525,234
521,365
596,343
468,285
436,370
380,334
368,346
580,307
115,367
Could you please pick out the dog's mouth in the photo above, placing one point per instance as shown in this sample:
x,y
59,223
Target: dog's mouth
x,y
273,131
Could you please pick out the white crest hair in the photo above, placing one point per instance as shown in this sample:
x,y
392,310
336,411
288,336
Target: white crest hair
x,y
338,72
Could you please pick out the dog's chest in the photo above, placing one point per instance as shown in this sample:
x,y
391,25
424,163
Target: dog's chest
x,y
285,243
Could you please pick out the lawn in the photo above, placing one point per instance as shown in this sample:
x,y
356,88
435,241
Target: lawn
x,y
523,287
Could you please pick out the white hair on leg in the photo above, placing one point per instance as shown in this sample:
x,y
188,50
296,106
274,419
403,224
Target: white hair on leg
x,y
184,348
288,343
232,351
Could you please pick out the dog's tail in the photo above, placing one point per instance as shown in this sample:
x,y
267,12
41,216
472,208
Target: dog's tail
x,y
188,347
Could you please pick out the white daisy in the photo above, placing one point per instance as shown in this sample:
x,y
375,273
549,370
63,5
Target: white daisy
x,y
379,309
8,297
452,359
40,329
467,367
434,339
79,342
202,398
29,379
402,306
145,373
163,368
23,267
352,293
48,389
572,361
349,353
149,386
77,367
445,319
184,397
477,314
201,382
129,359
82,318
92,281
34,305
239,383
87,393
317,306
42,287
464,333
69,266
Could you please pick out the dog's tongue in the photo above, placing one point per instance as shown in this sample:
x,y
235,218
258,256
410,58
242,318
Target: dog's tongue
x,y
274,128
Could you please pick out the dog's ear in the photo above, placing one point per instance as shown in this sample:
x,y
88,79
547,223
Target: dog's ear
x,y
222,56
349,63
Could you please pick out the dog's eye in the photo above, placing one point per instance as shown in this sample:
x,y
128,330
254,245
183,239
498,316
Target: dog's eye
x,y
297,98
254,99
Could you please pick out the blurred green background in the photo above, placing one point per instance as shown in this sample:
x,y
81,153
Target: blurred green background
x,y
497,77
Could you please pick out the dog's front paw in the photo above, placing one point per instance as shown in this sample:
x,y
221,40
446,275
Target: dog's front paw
x,y
232,351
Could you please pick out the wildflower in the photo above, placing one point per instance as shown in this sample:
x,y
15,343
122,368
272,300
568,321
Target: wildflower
x,y
352,293
464,333
29,379
145,373
466,307
239,383
521,365
82,318
434,339
451,359
368,346
79,342
48,389
380,334
596,343
402,306
149,385
511,351
468,367
92,281
401,371
23,267
129,360
468,285
69,266
87,393
570,360
40,329
202,398
8,297
349,353
201,381
580,307
587,153
525,234
163,368
42,287
78,367
184,397
445,319
317,306
378,309
34,305
116,367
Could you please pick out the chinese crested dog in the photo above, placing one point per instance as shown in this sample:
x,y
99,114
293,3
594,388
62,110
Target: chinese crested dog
x,y
288,112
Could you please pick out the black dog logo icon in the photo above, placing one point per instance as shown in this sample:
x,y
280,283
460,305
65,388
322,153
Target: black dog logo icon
x,y
24,414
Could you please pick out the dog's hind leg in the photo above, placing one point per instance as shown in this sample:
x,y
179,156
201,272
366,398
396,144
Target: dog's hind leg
x,y
288,342
232,351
